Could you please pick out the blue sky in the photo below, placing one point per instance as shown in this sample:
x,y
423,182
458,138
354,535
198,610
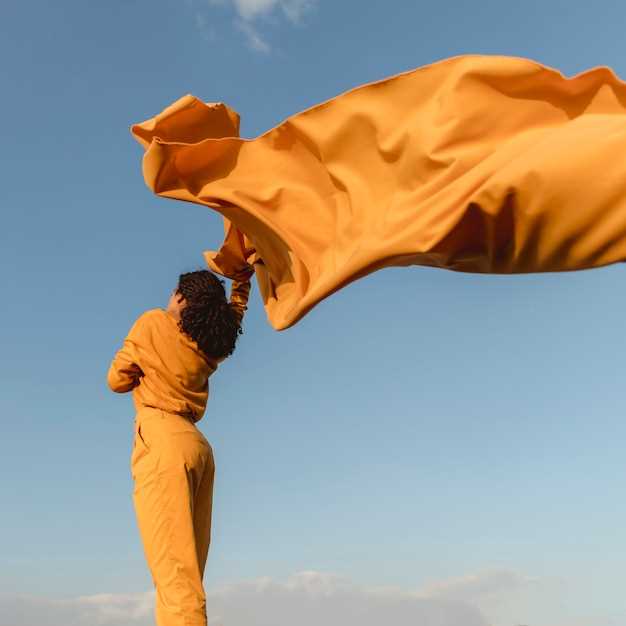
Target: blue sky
x,y
454,439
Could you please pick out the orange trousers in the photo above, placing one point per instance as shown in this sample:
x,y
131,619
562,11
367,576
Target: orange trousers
x,y
173,468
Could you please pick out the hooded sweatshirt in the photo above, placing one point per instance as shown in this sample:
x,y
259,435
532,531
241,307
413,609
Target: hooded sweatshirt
x,y
163,367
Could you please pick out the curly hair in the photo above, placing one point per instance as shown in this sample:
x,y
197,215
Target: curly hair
x,y
207,316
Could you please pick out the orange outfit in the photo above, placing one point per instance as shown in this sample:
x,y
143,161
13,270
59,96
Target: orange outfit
x,y
172,463
475,163
172,370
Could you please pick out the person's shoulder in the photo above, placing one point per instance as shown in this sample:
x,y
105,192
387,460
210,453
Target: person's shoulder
x,y
156,312
156,316
147,318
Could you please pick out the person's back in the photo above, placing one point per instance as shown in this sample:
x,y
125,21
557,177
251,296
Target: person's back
x,y
164,366
166,361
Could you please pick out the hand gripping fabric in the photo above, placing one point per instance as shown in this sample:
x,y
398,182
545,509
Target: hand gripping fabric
x,y
475,163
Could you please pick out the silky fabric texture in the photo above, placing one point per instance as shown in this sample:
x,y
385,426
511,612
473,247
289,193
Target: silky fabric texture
x,y
173,469
475,163
164,367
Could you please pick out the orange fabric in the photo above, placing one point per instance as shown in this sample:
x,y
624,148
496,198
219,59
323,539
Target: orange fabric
x,y
164,367
476,163
173,469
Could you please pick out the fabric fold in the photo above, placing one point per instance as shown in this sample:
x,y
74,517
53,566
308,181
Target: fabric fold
x,y
475,163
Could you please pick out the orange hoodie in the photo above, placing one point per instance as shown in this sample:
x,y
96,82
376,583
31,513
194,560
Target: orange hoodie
x,y
163,366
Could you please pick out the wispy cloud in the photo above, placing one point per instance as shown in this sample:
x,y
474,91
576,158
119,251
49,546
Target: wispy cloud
x,y
477,586
293,10
249,12
255,41
308,598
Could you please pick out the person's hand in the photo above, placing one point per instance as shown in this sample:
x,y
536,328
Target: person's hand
x,y
137,373
244,274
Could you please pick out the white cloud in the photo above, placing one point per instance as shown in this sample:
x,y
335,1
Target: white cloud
x,y
255,41
478,586
294,10
96,610
307,598
250,11
311,598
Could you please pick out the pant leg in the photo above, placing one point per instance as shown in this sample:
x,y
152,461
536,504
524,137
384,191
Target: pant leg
x,y
203,510
172,466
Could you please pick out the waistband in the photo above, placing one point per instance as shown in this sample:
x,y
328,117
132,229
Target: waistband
x,y
144,411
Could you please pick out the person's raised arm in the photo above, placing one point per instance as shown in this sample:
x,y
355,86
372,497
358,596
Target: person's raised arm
x,y
240,292
124,371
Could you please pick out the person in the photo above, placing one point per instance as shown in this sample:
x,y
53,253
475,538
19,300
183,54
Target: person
x,y
166,361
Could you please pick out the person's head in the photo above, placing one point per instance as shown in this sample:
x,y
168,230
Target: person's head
x,y
204,314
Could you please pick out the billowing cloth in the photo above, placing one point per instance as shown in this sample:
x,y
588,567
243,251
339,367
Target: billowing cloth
x,y
475,163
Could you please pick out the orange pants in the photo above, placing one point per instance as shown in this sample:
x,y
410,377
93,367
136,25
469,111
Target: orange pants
x,y
173,468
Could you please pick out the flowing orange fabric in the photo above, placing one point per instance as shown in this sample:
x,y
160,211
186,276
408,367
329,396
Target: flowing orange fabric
x,y
475,163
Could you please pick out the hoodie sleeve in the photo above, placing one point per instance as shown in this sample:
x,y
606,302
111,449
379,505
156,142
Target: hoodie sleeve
x,y
239,294
124,371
